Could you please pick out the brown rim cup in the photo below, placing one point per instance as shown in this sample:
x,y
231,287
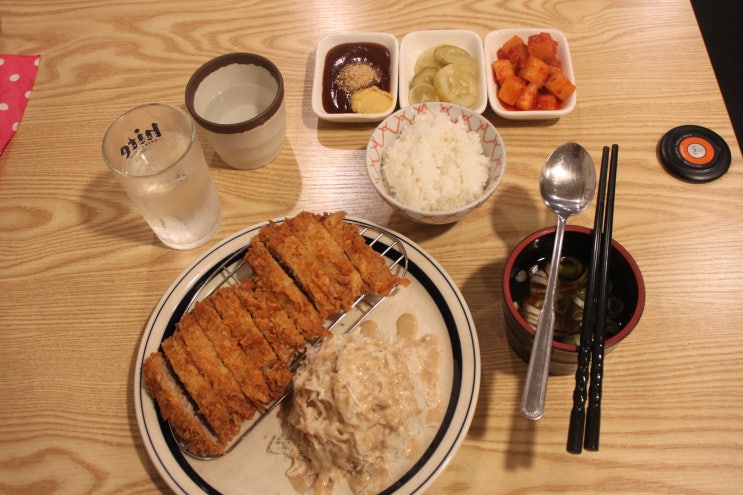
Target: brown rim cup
x,y
248,129
215,64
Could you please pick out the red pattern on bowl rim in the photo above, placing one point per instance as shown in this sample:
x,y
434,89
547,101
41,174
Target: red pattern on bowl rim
x,y
392,126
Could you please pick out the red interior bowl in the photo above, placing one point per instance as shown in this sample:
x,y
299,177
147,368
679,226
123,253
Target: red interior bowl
x,y
623,272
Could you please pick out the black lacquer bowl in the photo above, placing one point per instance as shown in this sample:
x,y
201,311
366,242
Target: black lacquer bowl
x,y
624,276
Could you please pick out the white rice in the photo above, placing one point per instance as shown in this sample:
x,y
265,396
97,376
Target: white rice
x,y
435,164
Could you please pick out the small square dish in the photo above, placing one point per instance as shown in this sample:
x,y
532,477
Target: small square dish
x,y
350,61
495,40
421,43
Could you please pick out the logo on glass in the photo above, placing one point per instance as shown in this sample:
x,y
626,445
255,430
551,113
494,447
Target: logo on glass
x,y
140,141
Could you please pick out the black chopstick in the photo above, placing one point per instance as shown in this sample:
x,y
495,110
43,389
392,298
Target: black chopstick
x,y
578,413
593,412
593,328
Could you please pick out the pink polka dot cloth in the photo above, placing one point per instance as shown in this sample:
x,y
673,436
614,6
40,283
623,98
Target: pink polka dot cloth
x,y
17,76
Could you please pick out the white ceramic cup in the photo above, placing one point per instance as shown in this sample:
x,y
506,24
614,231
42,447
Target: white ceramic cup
x,y
237,100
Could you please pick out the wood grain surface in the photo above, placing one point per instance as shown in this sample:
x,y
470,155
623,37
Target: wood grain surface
x,y
80,271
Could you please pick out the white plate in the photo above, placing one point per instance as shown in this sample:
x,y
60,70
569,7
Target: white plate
x,y
494,40
415,43
249,469
321,52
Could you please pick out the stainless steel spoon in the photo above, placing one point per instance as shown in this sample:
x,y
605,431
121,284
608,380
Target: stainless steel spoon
x,y
567,185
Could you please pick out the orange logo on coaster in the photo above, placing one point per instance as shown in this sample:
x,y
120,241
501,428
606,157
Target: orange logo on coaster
x,y
696,150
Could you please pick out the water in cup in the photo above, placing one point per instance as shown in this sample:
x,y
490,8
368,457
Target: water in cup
x,y
182,207
158,160
238,103
237,100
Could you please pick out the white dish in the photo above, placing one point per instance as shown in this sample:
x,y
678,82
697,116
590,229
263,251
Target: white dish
x,y
249,469
331,40
494,40
415,43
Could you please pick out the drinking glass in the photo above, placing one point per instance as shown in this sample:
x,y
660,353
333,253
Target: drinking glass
x,y
155,154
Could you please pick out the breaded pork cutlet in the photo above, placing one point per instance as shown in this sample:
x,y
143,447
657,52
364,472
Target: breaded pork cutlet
x,y
207,404
346,283
176,408
206,359
232,353
276,374
249,377
305,269
273,278
368,262
271,319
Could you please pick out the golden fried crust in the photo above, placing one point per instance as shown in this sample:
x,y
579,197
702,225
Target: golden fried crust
x,y
257,349
212,410
271,319
279,378
305,270
232,354
368,262
346,284
174,407
206,359
247,375
243,328
274,279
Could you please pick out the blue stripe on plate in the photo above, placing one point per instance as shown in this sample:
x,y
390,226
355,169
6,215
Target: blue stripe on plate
x,y
458,364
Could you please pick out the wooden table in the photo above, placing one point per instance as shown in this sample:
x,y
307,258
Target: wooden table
x,y
80,271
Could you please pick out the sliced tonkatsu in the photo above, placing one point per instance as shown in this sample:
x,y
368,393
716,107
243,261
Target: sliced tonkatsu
x,y
205,357
275,373
208,404
307,271
270,275
233,352
272,320
368,262
346,282
247,375
176,408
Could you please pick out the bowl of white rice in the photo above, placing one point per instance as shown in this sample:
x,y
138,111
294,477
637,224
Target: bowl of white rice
x,y
435,162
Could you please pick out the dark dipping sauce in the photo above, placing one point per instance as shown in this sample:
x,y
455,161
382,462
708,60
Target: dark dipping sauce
x,y
335,99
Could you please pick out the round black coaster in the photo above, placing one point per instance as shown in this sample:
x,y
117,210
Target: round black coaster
x,y
694,153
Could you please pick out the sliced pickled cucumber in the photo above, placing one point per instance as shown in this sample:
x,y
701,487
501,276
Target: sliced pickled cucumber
x,y
422,92
455,84
450,71
424,76
450,54
425,59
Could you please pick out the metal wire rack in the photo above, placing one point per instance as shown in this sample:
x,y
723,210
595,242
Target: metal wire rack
x,y
234,270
